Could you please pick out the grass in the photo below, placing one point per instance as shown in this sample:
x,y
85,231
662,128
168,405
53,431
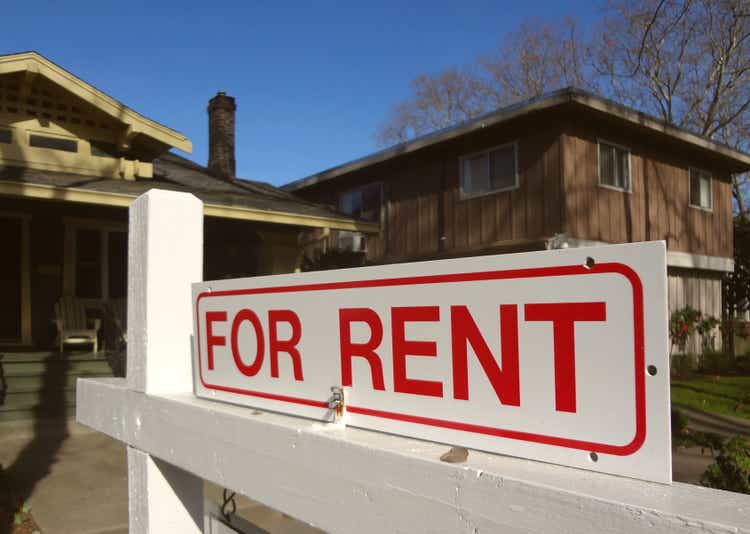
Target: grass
x,y
725,395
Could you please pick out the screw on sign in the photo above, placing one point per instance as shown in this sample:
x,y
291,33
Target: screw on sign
x,y
550,355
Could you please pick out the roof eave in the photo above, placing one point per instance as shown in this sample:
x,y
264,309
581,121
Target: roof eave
x,y
738,160
105,198
36,63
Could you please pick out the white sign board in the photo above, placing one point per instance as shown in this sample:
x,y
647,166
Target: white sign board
x,y
559,356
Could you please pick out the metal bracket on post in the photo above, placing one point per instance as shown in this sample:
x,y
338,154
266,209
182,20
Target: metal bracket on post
x,y
337,404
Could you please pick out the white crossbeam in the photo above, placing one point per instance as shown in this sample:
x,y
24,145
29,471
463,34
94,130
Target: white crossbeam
x,y
350,480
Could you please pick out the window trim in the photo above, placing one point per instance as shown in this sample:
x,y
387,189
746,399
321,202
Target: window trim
x,y
463,195
52,135
104,228
599,142
381,214
710,208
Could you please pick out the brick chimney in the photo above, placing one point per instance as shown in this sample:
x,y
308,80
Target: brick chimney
x,y
221,136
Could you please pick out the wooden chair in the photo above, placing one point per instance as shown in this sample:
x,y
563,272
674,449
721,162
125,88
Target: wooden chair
x,y
73,327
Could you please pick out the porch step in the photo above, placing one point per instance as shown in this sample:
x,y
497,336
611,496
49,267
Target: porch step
x,y
35,382
37,385
53,367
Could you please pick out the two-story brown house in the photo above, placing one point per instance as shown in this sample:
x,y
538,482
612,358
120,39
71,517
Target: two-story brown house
x,y
567,169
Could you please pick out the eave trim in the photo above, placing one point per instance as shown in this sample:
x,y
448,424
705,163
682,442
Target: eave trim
x,y
102,198
34,62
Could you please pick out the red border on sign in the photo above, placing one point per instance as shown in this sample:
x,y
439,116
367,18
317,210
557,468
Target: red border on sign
x,y
566,270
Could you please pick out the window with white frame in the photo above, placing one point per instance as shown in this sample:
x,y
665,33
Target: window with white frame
x,y
363,202
490,171
700,189
614,166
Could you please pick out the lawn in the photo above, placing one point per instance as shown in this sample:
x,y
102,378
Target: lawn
x,y
717,394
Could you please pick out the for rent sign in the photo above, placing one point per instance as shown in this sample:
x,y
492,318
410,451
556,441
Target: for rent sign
x,y
558,356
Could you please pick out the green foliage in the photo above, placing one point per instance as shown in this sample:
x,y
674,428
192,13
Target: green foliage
x,y
682,364
736,287
715,362
684,436
731,469
682,325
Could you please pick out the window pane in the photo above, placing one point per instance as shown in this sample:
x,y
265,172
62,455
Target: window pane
x,y
117,251
346,203
614,166
700,189
606,164
705,192
476,175
88,264
6,136
363,202
55,143
503,167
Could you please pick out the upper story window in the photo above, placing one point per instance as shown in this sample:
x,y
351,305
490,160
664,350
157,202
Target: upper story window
x,y
6,136
700,189
362,202
54,143
614,166
489,171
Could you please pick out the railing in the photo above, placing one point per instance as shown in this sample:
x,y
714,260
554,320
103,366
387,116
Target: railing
x,y
337,478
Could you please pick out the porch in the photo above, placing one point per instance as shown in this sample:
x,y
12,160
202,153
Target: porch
x,y
75,251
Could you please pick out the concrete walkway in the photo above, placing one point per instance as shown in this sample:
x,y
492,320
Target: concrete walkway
x,y
75,479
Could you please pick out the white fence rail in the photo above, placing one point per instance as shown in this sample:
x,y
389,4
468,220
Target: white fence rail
x,y
339,479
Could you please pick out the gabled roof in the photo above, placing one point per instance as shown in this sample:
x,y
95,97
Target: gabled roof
x,y
35,64
737,160
236,199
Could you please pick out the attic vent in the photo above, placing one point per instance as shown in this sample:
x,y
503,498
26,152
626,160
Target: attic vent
x,y
6,136
54,106
54,143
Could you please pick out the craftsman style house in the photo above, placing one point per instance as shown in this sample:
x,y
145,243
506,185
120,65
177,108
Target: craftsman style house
x,y
568,169
72,159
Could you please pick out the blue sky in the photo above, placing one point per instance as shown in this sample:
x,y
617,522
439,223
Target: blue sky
x,y
313,80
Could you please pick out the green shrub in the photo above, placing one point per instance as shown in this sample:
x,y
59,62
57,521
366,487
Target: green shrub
x,y
680,430
682,364
682,325
715,362
731,469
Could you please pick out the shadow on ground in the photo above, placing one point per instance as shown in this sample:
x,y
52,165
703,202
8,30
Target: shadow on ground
x,y
33,463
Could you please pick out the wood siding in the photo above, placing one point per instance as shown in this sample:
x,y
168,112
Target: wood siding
x,y
424,215
658,206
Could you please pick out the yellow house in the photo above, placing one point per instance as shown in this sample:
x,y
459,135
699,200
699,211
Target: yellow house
x,y
72,159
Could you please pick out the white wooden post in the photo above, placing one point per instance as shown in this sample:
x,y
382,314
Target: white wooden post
x,y
165,256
